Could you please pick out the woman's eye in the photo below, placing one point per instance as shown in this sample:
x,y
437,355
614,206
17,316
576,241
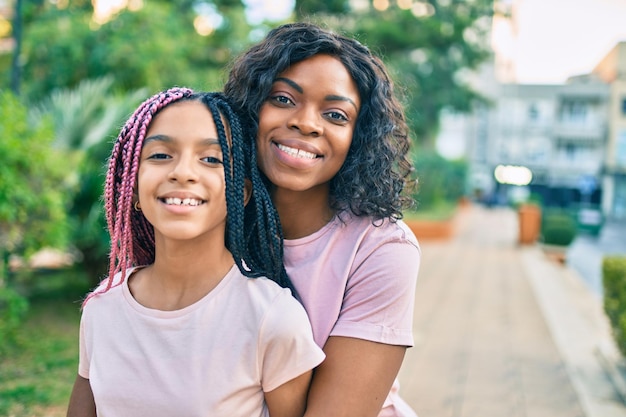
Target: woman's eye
x,y
337,116
281,99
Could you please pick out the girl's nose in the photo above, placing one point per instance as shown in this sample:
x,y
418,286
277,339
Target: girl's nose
x,y
184,170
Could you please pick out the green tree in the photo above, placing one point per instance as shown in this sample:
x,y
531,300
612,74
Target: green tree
x,y
32,203
428,49
156,46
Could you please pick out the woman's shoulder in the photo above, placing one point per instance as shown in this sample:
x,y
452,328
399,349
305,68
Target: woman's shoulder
x,y
379,230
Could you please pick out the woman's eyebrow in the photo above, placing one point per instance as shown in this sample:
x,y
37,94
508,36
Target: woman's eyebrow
x,y
292,83
331,97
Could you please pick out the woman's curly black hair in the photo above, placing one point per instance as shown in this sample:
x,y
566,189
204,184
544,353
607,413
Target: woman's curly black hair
x,y
372,178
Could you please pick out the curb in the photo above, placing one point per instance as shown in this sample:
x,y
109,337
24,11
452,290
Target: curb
x,y
613,372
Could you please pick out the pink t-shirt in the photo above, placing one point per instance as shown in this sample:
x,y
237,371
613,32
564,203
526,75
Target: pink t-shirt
x,y
358,280
215,357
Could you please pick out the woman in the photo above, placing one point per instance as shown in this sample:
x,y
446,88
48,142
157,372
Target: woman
x,y
332,143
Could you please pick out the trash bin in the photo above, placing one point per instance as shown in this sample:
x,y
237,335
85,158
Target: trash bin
x,y
529,216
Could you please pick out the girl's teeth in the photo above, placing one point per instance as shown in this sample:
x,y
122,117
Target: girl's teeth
x,y
298,153
182,202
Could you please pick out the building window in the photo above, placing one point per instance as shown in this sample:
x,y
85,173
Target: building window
x,y
533,113
574,111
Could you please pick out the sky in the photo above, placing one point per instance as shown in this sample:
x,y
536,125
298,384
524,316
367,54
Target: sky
x,y
555,39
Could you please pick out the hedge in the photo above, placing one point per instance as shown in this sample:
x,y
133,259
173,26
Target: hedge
x,y
614,281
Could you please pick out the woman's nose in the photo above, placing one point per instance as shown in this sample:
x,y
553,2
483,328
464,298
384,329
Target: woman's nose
x,y
306,120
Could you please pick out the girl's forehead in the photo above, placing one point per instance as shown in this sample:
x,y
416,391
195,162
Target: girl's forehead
x,y
184,118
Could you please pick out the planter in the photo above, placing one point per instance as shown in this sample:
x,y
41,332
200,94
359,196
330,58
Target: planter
x,y
529,216
425,229
556,253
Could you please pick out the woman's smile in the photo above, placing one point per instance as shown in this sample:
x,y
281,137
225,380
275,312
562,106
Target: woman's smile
x,y
306,124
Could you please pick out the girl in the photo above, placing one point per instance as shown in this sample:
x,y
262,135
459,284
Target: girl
x,y
177,329
332,143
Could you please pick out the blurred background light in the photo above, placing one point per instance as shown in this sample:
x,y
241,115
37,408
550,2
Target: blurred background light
x,y
514,175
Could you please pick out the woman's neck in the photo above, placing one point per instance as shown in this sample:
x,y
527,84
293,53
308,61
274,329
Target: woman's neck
x,y
302,213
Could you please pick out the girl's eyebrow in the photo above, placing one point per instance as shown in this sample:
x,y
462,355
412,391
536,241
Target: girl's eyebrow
x,y
169,139
331,97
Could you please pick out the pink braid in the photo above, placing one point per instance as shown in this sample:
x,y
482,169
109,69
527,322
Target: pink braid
x,y
132,236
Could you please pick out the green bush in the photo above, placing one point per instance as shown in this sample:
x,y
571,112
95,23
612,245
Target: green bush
x,y
614,281
558,228
13,308
440,181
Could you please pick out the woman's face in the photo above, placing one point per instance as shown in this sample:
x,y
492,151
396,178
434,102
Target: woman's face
x,y
306,124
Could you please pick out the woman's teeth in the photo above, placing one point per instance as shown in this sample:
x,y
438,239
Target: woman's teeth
x,y
298,153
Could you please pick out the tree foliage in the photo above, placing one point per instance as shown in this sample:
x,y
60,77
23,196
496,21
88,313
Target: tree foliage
x,y
155,46
32,205
428,49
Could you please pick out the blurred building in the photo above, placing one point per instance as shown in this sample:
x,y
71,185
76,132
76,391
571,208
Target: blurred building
x,y
612,71
571,136
559,132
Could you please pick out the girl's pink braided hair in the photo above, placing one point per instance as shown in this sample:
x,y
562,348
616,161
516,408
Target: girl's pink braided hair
x,y
132,236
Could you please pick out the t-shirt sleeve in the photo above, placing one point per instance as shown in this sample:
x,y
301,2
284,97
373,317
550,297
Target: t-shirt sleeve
x,y
380,293
287,346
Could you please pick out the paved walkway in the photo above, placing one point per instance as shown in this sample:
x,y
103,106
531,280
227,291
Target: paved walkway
x,y
501,331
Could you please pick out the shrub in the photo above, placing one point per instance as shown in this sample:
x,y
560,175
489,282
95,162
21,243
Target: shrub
x,y
558,228
13,308
441,181
614,281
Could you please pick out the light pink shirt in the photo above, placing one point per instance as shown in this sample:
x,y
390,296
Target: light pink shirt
x,y
358,280
215,357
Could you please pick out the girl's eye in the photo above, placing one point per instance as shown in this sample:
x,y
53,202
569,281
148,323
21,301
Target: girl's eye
x,y
337,116
212,160
159,156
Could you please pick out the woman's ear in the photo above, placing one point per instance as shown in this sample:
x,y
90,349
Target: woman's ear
x,y
247,191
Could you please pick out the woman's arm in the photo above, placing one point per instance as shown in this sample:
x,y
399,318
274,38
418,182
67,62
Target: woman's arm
x,y
289,400
81,401
354,379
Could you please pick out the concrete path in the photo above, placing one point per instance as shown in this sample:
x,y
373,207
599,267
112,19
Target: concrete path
x,y
501,331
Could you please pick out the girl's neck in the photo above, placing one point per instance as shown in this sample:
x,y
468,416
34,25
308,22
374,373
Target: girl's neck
x,y
179,278
302,213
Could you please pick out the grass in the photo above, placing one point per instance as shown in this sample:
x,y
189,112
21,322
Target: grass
x,y
39,370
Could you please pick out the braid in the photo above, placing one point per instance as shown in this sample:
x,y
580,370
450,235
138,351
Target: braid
x,y
253,232
132,236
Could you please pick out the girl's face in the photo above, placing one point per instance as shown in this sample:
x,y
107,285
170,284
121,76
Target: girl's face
x,y
306,124
181,182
